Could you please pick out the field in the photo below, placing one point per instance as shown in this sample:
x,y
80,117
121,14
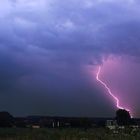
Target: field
x,y
65,134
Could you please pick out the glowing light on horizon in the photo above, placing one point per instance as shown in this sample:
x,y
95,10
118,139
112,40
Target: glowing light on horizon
x,y
109,91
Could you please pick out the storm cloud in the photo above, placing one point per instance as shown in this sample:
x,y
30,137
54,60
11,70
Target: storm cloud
x,y
46,46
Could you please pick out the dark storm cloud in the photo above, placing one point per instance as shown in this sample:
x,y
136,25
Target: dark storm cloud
x,y
45,43
83,26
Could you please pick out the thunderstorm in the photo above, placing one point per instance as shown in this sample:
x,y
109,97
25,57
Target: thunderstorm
x,y
109,91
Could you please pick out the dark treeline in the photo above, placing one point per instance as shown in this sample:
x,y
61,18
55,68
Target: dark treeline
x,y
7,120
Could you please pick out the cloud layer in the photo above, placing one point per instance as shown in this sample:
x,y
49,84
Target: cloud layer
x,y
47,41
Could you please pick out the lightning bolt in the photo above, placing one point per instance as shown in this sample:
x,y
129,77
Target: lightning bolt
x,y
109,91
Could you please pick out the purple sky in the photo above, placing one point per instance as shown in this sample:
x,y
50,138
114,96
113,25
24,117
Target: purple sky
x,y
50,51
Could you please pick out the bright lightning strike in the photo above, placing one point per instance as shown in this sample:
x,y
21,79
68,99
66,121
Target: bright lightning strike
x,y
109,91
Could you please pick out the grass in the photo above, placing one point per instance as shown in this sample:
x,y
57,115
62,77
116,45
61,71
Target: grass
x,y
64,134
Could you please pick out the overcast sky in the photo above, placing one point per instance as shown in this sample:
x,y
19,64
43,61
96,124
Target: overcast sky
x,y
50,51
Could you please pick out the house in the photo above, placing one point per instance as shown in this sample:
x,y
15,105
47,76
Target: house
x,y
111,124
35,126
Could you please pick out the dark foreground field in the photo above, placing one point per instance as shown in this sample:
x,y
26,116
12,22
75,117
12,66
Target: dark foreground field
x,y
65,134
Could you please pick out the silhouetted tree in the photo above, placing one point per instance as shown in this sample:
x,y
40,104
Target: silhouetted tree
x,y
123,117
20,122
84,122
6,120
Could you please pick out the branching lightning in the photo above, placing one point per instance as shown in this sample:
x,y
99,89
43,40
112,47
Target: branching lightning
x,y
109,90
